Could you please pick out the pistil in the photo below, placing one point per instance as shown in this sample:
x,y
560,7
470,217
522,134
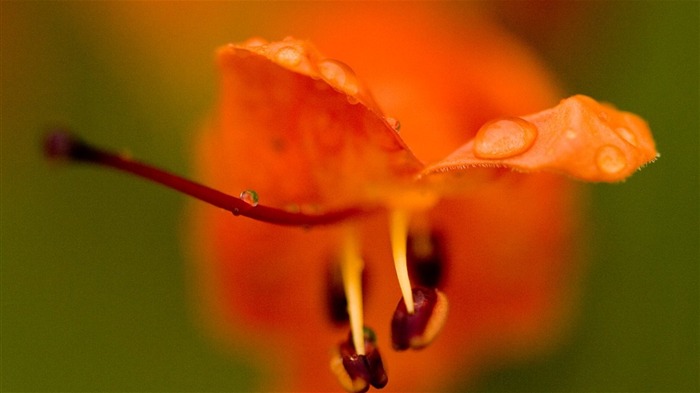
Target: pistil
x,y
62,145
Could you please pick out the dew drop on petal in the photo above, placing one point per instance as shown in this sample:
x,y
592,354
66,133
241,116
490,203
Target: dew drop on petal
x,y
288,56
250,197
339,75
570,134
626,135
394,123
610,159
504,138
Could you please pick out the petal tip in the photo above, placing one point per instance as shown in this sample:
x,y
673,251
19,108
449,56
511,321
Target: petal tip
x,y
580,137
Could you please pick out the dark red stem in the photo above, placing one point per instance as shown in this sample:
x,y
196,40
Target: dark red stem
x,y
63,145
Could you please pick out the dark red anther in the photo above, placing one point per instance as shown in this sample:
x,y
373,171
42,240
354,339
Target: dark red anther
x,y
336,302
425,258
358,372
419,329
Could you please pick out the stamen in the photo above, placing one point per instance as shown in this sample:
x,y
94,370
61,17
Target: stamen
x,y
61,144
419,329
357,372
351,267
398,227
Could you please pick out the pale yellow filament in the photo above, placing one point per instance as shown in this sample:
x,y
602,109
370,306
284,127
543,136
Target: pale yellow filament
x,y
398,227
351,268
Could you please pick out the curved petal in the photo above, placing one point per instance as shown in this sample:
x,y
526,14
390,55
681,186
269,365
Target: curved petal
x,y
579,137
307,130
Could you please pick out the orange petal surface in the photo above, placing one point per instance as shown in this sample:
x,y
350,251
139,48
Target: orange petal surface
x,y
580,137
309,131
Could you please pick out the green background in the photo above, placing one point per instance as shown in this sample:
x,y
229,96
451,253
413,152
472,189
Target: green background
x,y
95,286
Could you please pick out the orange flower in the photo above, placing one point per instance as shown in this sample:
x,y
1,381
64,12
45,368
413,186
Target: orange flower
x,y
489,223
308,135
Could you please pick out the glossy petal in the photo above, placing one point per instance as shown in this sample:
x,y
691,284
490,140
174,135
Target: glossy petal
x,y
579,137
311,131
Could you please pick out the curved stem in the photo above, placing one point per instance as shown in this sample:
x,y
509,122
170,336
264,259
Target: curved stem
x,y
63,145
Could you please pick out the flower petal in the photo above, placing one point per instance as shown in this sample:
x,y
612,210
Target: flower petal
x,y
290,113
580,137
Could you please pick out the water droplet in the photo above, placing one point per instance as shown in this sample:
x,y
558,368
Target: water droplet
x,y
288,56
339,75
570,134
504,138
626,135
394,123
250,197
610,159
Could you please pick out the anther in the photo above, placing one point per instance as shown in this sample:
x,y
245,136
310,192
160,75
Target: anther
x,y
357,372
425,256
336,302
418,329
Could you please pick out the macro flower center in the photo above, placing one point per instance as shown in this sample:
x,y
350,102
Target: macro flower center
x,y
419,315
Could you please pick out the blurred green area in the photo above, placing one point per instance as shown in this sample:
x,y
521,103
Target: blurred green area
x,y
95,287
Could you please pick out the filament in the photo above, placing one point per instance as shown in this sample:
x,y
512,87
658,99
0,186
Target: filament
x,y
398,227
351,268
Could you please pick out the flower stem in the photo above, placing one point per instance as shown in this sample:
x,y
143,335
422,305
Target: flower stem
x,y
61,144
